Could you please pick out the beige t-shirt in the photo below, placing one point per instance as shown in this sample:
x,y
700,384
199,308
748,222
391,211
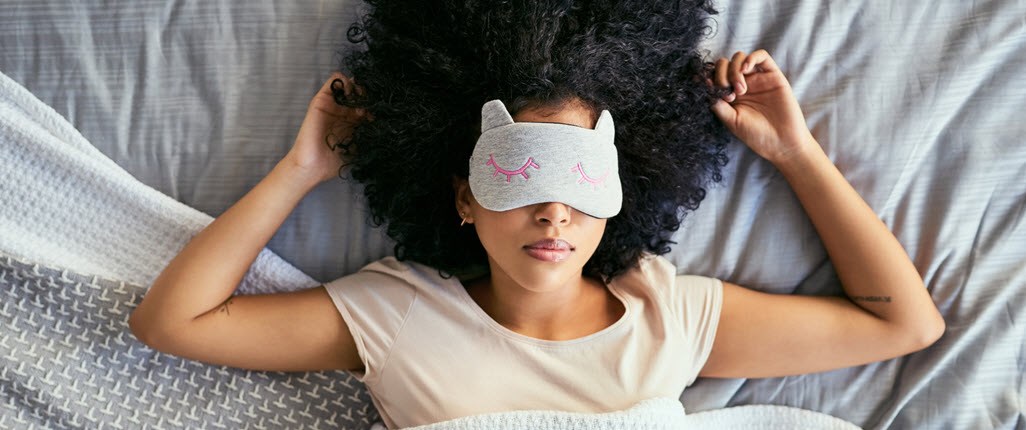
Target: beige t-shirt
x,y
431,354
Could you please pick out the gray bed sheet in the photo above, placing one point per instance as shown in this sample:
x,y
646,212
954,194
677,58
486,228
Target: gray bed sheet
x,y
199,100
919,104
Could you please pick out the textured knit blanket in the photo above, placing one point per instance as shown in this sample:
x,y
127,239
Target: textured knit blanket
x,y
67,205
80,240
651,414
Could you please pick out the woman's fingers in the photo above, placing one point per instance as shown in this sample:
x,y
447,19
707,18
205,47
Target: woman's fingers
x,y
726,113
334,81
731,73
720,77
359,89
348,85
760,61
737,79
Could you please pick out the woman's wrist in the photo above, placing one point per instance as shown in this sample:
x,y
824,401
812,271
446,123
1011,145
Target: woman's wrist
x,y
800,155
297,175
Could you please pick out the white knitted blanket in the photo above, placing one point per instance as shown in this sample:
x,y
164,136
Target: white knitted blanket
x,y
66,205
651,414
80,242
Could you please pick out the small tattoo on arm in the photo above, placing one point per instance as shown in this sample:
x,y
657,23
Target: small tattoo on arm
x,y
878,299
224,306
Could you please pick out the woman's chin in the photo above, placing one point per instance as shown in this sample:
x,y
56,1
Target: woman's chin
x,y
542,276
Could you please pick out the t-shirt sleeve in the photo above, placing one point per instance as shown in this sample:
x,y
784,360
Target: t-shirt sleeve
x,y
697,301
375,303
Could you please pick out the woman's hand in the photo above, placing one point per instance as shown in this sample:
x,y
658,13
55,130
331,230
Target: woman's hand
x,y
316,151
762,111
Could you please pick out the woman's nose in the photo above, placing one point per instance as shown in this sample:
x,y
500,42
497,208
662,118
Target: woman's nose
x,y
554,213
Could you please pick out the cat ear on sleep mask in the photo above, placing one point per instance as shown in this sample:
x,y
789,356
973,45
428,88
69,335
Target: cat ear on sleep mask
x,y
517,164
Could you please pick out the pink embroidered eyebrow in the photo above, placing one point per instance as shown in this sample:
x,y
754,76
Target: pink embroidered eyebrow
x,y
510,173
584,177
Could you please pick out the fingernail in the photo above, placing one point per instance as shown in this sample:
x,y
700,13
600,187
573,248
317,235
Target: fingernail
x,y
740,86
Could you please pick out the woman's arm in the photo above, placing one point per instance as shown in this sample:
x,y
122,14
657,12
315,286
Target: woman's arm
x,y
207,271
887,312
189,311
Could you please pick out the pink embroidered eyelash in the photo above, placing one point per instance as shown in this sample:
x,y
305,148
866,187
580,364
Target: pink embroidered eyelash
x,y
522,171
584,177
509,173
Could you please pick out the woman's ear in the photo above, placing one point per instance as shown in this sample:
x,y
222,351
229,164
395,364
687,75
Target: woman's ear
x,y
463,195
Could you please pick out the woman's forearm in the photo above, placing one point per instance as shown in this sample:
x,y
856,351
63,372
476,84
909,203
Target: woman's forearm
x,y
874,269
210,267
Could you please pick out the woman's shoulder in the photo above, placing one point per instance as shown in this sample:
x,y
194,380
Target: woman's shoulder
x,y
408,271
686,296
659,273
388,264
650,269
389,279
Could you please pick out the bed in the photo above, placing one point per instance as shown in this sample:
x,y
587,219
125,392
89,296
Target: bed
x,y
918,104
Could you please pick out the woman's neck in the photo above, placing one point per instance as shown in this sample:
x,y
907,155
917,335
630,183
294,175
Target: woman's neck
x,y
580,307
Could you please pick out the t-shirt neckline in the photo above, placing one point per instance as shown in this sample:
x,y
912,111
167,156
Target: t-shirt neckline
x,y
455,283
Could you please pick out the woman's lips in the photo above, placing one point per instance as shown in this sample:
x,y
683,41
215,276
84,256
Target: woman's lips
x,y
549,249
550,243
552,255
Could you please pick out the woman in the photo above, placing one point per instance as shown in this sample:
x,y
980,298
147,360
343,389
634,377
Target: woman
x,y
558,303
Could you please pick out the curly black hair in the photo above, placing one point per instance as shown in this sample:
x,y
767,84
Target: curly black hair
x,y
429,66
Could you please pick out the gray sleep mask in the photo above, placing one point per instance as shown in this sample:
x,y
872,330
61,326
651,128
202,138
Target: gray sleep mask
x,y
516,164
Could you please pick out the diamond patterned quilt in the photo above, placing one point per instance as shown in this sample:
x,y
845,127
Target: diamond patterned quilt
x,y
68,360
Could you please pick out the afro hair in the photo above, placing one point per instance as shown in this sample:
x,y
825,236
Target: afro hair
x,y
427,67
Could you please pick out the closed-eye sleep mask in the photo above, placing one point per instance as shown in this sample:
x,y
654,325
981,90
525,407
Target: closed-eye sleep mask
x,y
516,164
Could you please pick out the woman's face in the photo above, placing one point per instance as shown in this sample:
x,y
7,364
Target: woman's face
x,y
507,236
